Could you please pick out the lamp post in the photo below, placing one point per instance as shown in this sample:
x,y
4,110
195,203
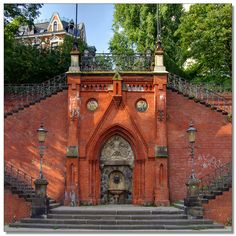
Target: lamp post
x,y
41,138
39,203
191,138
192,201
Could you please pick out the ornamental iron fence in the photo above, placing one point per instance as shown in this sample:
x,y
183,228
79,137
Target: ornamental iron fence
x,y
219,179
200,93
18,179
119,62
19,96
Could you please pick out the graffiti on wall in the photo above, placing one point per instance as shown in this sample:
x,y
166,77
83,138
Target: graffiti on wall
x,y
208,161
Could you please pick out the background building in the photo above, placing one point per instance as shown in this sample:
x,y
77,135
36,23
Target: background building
x,y
51,33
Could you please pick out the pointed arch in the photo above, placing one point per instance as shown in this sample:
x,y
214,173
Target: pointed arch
x,y
137,146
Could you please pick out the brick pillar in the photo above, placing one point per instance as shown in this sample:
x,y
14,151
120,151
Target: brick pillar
x,y
161,189
72,153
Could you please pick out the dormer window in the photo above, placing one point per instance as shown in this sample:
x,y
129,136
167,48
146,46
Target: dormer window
x,y
55,26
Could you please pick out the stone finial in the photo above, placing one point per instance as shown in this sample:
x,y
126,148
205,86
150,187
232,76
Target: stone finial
x,y
159,65
74,67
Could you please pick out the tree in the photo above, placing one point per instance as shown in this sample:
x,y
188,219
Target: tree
x,y
206,37
135,28
14,16
18,14
27,63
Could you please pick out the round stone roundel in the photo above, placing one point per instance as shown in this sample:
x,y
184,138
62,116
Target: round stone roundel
x,y
92,104
141,105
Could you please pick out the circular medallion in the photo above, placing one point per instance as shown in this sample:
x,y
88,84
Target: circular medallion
x,y
92,105
141,105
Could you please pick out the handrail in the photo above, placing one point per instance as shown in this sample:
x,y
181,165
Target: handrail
x,y
200,93
20,96
17,177
217,178
109,62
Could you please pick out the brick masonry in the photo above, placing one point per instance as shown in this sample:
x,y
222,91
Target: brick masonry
x,y
21,144
220,208
156,180
15,208
213,141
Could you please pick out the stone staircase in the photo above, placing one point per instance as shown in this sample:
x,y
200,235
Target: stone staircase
x,y
21,184
117,217
201,94
20,97
216,182
212,185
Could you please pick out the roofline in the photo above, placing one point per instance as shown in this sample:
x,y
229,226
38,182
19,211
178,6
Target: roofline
x,y
47,34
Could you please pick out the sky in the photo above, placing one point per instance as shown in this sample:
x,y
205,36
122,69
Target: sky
x,y
96,17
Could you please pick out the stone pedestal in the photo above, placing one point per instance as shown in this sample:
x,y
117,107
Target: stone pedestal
x,y
39,203
39,207
192,202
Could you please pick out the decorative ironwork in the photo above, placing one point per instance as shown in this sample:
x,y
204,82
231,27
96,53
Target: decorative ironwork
x,y
18,179
219,179
17,97
200,93
110,62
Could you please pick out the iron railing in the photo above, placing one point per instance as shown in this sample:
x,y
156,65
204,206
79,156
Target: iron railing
x,y
110,62
17,97
200,93
17,178
218,179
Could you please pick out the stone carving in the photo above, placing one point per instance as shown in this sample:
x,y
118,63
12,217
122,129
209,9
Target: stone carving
x,y
116,193
141,105
117,148
116,171
92,105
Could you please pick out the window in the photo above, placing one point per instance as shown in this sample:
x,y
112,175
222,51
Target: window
x,y
54,45
55,26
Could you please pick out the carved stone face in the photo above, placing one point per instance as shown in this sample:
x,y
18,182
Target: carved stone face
x,y
117,148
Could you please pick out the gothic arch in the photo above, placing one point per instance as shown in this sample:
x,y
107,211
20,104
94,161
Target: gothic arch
x,y
138,148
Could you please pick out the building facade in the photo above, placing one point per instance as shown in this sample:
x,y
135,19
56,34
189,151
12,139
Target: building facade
x,y
51,33
117,137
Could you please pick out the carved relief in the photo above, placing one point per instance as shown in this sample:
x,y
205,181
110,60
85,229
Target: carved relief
x,y
116,171
141,105
92,105
117,148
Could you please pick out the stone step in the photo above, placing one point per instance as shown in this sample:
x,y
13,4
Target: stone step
x,y
116,217
118,222
52,201
118,227
179,205
116,212
54,205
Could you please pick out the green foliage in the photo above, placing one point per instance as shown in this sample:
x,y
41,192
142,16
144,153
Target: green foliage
x,y
26,63
135,30
29,64
18,14
206,36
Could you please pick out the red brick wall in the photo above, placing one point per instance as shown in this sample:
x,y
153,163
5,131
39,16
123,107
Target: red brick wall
x,y
15,207
220,208
213,141
21,144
